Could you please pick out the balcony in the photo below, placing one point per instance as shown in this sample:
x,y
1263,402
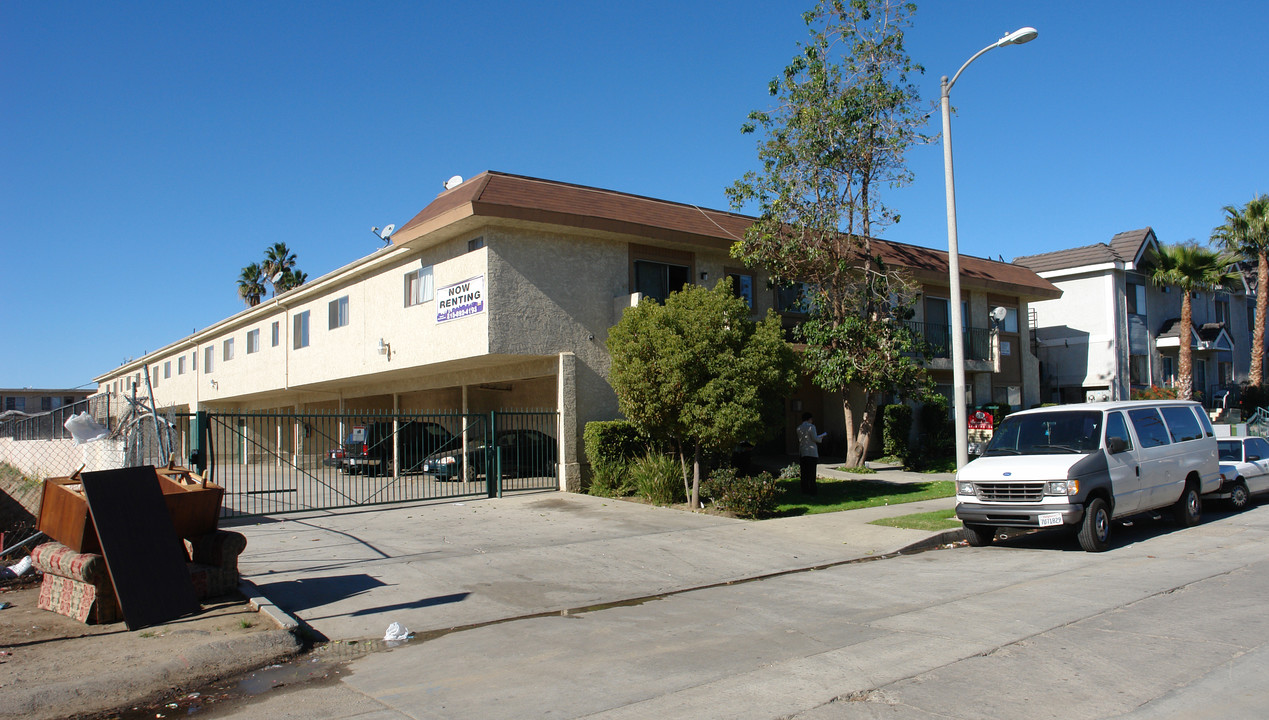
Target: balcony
x,y
938,341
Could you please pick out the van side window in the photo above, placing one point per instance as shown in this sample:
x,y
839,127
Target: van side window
x,y
1149,426
1116,427
1182,423
1207,424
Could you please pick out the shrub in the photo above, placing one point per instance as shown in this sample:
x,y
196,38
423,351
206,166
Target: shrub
x,y
939,437
792,471
749,496
612,440
610,478
896,428
659,478
1154,392
1252,398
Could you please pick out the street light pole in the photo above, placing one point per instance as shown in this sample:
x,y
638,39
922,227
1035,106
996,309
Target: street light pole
x,y
1017,37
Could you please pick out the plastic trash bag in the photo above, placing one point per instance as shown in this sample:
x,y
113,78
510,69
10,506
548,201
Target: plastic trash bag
x,y
397,631
85,429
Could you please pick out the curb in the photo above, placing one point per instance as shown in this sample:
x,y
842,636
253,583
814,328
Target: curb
x,y
105,690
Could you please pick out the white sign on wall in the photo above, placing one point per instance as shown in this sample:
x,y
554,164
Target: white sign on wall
x,y
460,299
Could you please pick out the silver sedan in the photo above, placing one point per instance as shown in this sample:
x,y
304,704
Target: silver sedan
x,y
1244,465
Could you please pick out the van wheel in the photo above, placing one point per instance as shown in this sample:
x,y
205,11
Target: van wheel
x,y
1188,508
1094,532
979,535
1239,497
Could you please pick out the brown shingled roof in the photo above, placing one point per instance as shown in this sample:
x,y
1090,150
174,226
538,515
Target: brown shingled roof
x,y
494,194
1124,247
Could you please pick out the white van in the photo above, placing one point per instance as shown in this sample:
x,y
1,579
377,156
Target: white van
x,y
1083,465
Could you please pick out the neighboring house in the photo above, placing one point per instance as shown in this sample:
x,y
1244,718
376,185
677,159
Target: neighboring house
x,y
1112,332
500,294
33,401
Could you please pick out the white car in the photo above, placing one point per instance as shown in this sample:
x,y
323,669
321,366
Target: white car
x,y
1244,469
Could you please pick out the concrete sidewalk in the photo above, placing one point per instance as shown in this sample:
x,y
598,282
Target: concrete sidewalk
x,y
434,566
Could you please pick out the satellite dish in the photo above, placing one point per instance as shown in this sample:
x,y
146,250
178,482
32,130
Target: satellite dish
x,y
453,182
387,231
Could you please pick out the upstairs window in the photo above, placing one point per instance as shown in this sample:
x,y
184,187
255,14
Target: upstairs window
x,y
300,331
167,369
337,311
1135,294
742,286
180,365
229,350
253,341
419,286
277,333
209,356
657,280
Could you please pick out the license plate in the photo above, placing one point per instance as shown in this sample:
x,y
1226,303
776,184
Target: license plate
x,y
1050,519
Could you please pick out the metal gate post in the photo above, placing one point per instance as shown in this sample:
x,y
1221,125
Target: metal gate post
x,y
199,428
493,458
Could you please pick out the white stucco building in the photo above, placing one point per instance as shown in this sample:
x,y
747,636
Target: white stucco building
x,y
500,294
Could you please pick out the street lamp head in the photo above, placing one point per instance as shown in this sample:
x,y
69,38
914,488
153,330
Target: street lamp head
x,y
1018,37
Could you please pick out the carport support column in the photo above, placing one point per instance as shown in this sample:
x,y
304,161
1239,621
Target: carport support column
x,y
570,472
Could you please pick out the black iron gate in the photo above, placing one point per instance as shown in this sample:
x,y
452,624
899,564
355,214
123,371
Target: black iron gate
x,y
273,463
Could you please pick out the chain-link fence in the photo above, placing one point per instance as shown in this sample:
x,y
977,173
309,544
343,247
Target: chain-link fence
x,y
40,446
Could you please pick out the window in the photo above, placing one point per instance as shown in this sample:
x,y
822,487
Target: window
x,y
1149,426
1116,427
167,369
46,403
1010,395
300,331
155,382
657,280
1181,423
209,354
742,286
228,349
338,312
15,403
475,243
253,341
1135,294
277,331
795,298
1222,310
1169,369
1009,324
180,365
418,286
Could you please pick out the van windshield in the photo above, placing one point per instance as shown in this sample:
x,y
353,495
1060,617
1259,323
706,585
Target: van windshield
x,y
1047,434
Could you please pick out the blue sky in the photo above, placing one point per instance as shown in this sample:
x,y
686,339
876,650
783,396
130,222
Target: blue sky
x,y
150,150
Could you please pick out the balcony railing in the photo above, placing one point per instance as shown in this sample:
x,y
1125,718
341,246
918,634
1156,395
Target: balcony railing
x,y
938,340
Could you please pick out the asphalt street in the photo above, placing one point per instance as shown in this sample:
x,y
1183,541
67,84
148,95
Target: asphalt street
x,y
1168,623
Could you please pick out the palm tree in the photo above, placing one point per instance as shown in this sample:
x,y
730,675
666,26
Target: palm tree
x,y
1246,233
278,261
1190,269
251,285
290,279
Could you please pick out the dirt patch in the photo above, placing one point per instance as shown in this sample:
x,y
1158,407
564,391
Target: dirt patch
x,y
53,666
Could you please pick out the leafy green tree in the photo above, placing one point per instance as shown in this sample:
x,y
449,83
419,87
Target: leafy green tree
x,y
699,372
1246,234
1190,268
838,135
251,285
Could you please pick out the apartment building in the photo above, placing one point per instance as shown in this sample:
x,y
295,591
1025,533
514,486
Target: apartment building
x,y
1112,332
500,294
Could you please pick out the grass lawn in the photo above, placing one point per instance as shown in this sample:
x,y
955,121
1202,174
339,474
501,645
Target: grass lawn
x,y
835,495
931,521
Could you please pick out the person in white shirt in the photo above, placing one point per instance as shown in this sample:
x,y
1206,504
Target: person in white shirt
x,y
808,442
